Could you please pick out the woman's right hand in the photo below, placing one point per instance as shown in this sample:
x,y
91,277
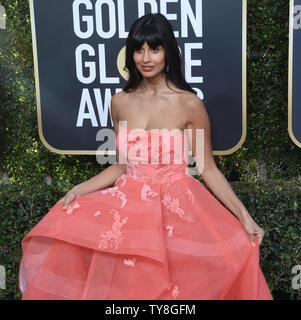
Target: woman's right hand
x,y
69,196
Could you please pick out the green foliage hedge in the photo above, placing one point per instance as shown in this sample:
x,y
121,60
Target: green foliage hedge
x,y
274,205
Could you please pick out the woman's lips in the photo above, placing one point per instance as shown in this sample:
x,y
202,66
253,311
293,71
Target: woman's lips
x,y
147,68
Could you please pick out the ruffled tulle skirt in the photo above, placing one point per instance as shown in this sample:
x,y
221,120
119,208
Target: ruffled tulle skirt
x,y
138,241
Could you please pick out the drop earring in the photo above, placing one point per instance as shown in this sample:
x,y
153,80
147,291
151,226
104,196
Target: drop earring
x,y
167,68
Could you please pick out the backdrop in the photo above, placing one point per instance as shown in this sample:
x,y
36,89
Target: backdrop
x,y
79,56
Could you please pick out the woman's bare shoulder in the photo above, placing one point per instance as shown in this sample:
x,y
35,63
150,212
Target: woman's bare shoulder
x,y
122,97
118,98
189,100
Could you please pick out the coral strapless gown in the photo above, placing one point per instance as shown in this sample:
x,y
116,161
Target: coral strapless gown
x,y
158,233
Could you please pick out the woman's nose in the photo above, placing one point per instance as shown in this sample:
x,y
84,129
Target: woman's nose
x,y
146,57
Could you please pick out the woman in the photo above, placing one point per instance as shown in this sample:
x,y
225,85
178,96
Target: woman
x,y
165,236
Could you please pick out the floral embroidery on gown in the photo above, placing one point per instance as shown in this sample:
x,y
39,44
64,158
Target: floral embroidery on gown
x,y
157,234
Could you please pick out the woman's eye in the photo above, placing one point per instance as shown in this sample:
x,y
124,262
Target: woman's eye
x,y
156,50
138,50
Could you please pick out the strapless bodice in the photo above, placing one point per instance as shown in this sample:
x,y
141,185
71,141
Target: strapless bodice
x,y
153,155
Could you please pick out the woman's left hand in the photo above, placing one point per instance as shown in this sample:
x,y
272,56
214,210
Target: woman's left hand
x,y
252,229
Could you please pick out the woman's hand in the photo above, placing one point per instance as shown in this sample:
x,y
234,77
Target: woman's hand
x,y
69,196
252,229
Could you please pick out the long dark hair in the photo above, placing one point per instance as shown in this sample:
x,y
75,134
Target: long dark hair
x,y
156,30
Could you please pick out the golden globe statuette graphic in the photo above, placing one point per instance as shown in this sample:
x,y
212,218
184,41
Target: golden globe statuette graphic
x,y
121,64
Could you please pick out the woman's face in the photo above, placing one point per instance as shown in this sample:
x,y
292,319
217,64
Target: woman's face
x,y
149,62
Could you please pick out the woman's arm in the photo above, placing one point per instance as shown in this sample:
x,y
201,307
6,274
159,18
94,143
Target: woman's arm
x,y
215,180
108,176
103,180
